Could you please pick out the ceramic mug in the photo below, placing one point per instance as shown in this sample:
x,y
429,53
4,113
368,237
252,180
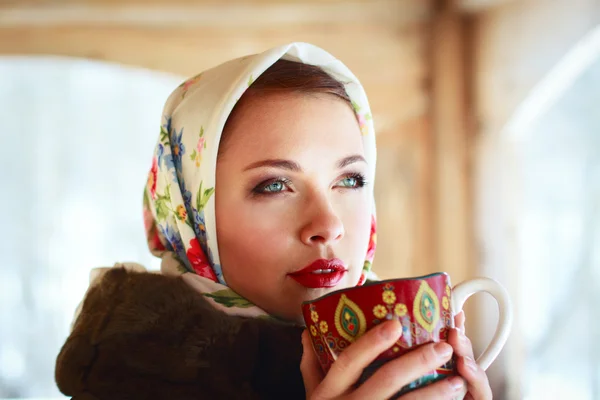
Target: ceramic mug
x,y
425,307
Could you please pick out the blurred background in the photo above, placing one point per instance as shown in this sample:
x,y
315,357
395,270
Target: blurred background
x,y
488,121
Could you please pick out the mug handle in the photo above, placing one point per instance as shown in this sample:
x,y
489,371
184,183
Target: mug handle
x,y
464,290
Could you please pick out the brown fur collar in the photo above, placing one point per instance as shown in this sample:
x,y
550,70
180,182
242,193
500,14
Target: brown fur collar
x,y
148,336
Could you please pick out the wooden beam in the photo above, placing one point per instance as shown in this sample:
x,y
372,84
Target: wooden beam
x,y
452,109
238,15
452,143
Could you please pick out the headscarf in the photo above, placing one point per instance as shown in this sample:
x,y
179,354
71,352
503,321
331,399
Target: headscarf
x,y
179,206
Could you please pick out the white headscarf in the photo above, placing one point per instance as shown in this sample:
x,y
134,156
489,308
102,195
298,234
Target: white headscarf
x,y
179,206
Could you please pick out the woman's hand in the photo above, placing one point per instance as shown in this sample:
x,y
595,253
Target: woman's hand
x,y
477,382
388,380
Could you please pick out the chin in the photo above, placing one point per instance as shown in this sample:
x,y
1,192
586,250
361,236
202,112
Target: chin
x,y
312,294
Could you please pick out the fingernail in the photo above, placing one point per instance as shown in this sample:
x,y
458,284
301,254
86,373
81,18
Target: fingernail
x,y
443,349
391,330
456,383
471,364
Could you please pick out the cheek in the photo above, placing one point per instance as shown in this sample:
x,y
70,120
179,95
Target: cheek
x,y
251,239
357,224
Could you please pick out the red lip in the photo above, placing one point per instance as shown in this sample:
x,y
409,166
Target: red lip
x,y
310,278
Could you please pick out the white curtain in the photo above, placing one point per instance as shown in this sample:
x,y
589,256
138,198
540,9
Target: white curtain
x,y
77,138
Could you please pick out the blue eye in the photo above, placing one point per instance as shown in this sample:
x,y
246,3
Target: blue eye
x,y
349,181
274,187
352,181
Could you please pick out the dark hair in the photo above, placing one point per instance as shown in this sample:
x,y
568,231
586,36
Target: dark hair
x,y
286,76
292,76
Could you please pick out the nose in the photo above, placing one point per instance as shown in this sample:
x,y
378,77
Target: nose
x,y
323,225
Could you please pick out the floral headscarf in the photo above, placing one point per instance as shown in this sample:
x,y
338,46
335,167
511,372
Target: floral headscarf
x,y
179,206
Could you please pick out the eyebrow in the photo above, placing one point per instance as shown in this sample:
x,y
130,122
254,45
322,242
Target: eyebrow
x,y
295,167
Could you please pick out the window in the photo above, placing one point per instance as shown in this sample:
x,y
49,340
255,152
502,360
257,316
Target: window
x,y
539,223
77,139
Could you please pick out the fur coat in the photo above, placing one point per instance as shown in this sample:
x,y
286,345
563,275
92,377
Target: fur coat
x,y
147,336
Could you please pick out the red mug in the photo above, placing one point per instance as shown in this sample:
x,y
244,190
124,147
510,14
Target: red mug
x,y
425,306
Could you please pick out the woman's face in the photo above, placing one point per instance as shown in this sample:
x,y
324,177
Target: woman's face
x,y
290,191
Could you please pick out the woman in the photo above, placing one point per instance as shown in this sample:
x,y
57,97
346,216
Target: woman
x,y
260,197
